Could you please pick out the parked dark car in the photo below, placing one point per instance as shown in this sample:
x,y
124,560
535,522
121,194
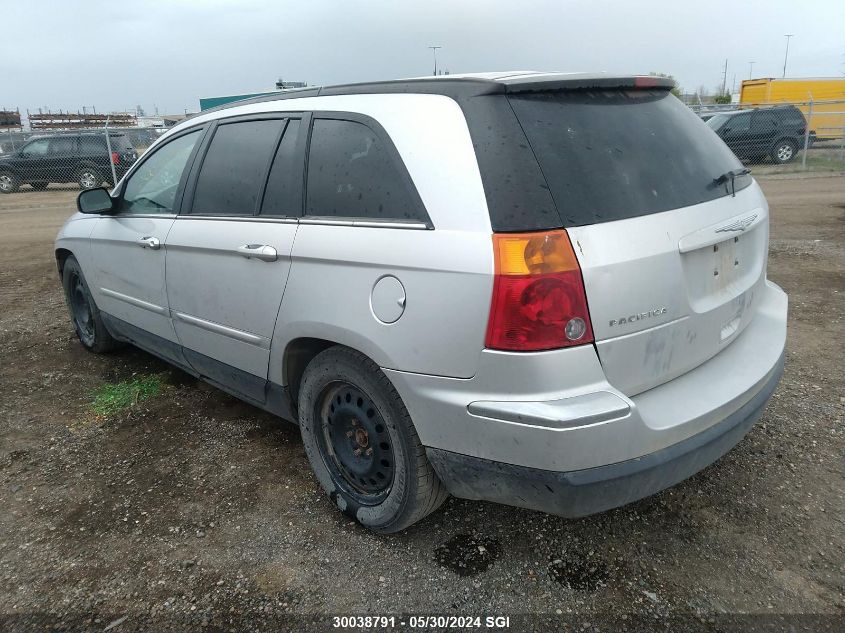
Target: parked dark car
x,y
83,158
777,132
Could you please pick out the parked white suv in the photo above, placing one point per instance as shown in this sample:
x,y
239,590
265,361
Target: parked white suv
x,y
545,290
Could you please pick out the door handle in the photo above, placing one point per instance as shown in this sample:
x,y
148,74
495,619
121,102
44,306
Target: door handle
x,y
258,251
150,242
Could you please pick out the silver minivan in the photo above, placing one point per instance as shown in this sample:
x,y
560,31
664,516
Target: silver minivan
x,y
540,289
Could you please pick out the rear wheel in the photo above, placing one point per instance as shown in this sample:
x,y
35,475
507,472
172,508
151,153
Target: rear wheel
x,y
9,183
362,445
88,178
784,151
38,186
84,314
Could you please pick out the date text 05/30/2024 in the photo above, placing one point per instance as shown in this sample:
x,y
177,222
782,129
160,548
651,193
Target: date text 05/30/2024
x,y
421,622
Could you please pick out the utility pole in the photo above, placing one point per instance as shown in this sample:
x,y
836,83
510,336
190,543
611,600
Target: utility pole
x,y
786,55
434,50
725,77
750,69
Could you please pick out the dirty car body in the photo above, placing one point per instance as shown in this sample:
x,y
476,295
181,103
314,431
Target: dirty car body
x,y
539,289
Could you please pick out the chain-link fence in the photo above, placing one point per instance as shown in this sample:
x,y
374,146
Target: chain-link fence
x,y
88,150
84,157
807,134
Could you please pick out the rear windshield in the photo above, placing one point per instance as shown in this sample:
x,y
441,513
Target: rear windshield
x,y
616,154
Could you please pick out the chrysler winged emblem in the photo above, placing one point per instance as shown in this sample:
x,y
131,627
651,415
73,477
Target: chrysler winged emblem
x,y
739,225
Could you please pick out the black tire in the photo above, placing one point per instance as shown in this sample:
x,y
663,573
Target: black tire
x,y
9,183
39,186
88,178
84,313
784,151
346,403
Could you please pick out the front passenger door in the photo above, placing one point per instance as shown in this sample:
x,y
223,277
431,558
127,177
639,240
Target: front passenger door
x,y
736,133
128,248
33,160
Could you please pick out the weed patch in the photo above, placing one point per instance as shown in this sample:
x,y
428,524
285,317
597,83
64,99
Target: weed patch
x,y
111,399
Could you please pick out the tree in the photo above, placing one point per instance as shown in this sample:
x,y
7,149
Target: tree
x,y
676,90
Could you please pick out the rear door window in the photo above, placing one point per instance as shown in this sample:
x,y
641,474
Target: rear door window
x,y
763,121
92,145
352,173
616,154
63,145
235,167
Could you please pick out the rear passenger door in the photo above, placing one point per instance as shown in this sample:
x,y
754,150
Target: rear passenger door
x,y
62,152
228,253
764,128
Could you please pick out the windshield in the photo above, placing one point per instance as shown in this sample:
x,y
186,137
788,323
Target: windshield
x,y
716,121
615,154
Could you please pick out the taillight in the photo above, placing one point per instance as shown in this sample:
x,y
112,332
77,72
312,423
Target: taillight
x,y
539,302
115,158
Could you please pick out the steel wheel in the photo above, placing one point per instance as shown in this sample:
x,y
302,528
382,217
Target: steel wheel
x,y
80,308
354,442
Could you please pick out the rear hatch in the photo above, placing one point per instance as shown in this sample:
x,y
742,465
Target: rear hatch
x,y
670,234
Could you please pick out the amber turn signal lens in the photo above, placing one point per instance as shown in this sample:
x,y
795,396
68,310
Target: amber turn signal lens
x,y
539,301
533,253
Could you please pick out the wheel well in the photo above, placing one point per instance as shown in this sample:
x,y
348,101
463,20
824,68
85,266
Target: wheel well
x,y
61,257
298,354
85,164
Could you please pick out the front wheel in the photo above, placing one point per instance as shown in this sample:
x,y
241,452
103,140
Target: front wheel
x,y
84,314
9,183
784,151
362,444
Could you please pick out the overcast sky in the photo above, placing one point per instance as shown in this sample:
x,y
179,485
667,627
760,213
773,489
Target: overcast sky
x,y
169,53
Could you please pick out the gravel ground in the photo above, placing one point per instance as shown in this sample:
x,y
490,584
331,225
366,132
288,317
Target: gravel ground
x,y
192,510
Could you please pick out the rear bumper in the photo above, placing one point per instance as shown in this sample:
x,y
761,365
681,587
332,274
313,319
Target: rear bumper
x,y
582,492
547,430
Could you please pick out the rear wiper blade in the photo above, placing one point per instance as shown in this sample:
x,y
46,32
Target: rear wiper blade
x,y
731,176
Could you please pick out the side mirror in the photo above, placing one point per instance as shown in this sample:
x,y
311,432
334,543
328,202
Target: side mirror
x,y
95,201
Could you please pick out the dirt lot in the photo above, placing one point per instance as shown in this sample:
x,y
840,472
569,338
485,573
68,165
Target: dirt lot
x,y
193,510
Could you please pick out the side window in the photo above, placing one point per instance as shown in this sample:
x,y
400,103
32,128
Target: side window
x,y
351,174
63,145
283,196
740,122
234,168
792,117
152,188
763,121
37,148
92,145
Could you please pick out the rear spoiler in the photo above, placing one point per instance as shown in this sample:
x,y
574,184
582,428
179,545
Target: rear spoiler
x,y
638,82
